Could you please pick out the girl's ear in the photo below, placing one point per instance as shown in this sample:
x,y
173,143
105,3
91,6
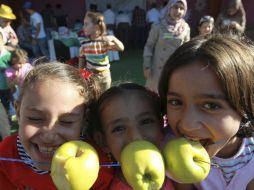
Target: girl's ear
x,y
100,139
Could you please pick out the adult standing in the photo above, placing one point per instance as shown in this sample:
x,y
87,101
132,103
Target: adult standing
x,y
138,25
48,18
39,39
61,16
25,36
164,38
123,23
152,15
232,18
9,35
110,18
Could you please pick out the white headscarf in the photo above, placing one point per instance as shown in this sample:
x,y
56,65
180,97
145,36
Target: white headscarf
x,y
174,26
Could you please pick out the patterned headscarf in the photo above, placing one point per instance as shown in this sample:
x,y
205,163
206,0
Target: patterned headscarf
x,y
176,27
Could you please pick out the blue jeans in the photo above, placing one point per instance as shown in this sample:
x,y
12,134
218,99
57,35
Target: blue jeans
x,y
40,47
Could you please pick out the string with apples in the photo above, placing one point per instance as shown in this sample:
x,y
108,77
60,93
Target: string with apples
x,y
27,161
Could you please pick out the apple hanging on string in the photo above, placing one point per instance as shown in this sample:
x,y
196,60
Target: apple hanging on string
x,y
186,161
142,165
75,166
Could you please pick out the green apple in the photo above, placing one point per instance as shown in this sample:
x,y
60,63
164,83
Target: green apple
x,y
186,161
75,166
142,165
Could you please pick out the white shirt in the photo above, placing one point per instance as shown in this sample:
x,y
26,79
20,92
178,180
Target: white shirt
x,y
3,35
123,18
110,17
35,19
242,164
153,16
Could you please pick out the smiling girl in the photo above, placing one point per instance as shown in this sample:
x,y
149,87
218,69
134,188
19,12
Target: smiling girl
x,y
51,110
207,89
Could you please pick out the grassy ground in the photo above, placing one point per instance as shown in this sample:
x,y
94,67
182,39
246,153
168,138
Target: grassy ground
x,y
129,68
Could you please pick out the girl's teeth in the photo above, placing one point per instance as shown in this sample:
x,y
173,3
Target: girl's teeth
x,y
44,149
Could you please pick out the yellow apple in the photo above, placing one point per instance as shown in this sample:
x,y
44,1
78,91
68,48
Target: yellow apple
x,y
75,166
143,166
186,161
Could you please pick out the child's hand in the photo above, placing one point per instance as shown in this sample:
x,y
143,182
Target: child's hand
x,y
113,43
109,40
147,73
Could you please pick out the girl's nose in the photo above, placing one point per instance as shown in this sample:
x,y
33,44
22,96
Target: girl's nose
x,y
189,122
134,134
48,133
48,136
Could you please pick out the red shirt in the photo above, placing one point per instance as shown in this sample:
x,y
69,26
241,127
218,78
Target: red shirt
x,y
17,176
118,184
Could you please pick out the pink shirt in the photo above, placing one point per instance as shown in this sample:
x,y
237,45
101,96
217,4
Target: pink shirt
x,y
11,73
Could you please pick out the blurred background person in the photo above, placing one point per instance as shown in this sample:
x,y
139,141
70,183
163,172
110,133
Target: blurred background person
x,y
123,26
110,18
164,38
9,35
61,17
48,19
39,39
205,25
139,27
25,36
232,18
152,15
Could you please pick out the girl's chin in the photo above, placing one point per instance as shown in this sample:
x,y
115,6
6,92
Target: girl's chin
x,y
44,158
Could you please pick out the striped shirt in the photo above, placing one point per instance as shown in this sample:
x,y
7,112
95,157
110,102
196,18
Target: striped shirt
x,y
95,53
230,166
24,156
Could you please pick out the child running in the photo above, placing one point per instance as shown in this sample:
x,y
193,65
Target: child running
x,y
94,49
207,88
123,114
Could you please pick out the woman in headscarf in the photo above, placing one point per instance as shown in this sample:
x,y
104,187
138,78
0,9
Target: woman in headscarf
x,y
163,39
232,18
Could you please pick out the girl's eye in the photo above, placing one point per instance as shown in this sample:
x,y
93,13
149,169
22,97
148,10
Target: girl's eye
x,y
118,129
35,119
174,102
212,106
66,122
147,121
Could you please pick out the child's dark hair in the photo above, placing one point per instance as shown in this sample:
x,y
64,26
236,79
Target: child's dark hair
x,y
120,90
98,18
206,18
232,60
